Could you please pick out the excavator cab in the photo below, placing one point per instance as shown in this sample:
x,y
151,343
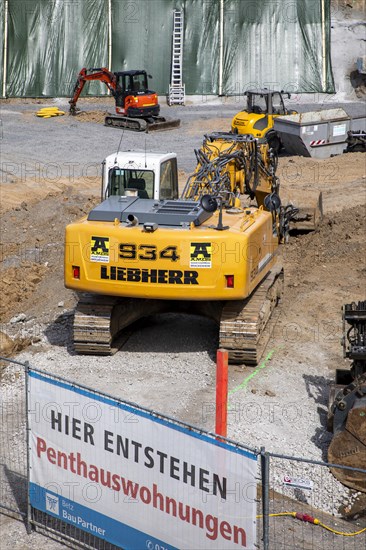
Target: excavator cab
x,y
142,174
133,97
257,119
265,102
132,82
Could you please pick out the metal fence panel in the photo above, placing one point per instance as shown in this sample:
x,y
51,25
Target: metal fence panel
x,y
13,448
309,488
51,481
286,487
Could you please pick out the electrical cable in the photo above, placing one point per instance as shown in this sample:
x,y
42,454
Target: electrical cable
x,y
310,519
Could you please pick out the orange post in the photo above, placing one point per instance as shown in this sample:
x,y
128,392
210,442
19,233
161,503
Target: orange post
x,y
222,360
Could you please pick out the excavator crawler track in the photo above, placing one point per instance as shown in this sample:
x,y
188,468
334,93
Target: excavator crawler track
x,y
151,124
134,124
243,322
99,322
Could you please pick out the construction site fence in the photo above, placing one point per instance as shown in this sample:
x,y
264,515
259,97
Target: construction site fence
x,y
300,504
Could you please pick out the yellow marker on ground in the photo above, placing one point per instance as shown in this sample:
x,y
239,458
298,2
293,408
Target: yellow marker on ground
x,y
48,112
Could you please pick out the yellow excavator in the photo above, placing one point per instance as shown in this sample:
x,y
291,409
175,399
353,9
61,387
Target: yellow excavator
x,y
263,106
213,251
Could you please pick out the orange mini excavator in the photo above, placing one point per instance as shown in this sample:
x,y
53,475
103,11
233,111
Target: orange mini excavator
x,y
137,107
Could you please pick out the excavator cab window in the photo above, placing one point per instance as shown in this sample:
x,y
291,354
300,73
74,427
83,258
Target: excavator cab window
x,y
139,83
134,83
258,103
121,179
168,180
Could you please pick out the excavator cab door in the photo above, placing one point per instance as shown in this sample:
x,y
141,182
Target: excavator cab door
x,y
168,184
278,106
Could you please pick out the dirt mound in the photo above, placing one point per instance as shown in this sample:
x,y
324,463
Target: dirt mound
x,y
339,238
18,284
91,116
31,249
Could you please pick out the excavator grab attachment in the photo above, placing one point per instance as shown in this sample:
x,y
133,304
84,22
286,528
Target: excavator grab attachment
x,y
347,409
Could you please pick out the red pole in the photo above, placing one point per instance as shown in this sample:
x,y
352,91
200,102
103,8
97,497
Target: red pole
x,y
222,360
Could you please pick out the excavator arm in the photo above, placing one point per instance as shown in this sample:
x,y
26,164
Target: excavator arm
x,y
232,165
101,74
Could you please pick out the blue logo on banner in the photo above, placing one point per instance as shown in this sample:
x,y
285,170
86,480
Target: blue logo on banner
x,y
52,504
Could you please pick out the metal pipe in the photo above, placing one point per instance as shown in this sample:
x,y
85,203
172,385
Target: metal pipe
x,y
109,35
109,38
5,49
29,507
324,67
221,47
265,497
132,220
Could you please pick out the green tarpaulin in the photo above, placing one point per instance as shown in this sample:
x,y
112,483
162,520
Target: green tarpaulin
x,y
50,41
229,45
2,22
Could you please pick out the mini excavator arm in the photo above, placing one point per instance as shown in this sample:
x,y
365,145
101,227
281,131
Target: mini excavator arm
x,y
101,74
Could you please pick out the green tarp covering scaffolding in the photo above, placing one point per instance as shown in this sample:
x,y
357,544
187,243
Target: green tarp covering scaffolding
x,y
229,45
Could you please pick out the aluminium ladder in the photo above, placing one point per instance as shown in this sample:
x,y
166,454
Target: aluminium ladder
x,y
176,87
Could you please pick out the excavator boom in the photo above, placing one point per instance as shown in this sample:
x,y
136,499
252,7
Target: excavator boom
x,y
102,75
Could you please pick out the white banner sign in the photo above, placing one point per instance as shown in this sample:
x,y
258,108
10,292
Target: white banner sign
x,y
135,480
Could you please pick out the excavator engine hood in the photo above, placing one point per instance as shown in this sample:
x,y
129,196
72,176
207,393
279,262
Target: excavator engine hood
x,y
172,213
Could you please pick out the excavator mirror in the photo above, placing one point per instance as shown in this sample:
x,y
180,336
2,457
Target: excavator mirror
x,y
149,76
209,203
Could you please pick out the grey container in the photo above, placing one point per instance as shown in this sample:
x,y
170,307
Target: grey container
x,y
318,134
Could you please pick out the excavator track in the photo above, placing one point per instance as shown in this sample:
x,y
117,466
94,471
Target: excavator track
x,y
134,124
140,124
243,322
99,322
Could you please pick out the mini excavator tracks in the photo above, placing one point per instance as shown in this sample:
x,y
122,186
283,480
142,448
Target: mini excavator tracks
x,y
243,322
139,124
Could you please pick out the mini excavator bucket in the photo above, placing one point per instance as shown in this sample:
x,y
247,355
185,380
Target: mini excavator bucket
x,y
347,404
